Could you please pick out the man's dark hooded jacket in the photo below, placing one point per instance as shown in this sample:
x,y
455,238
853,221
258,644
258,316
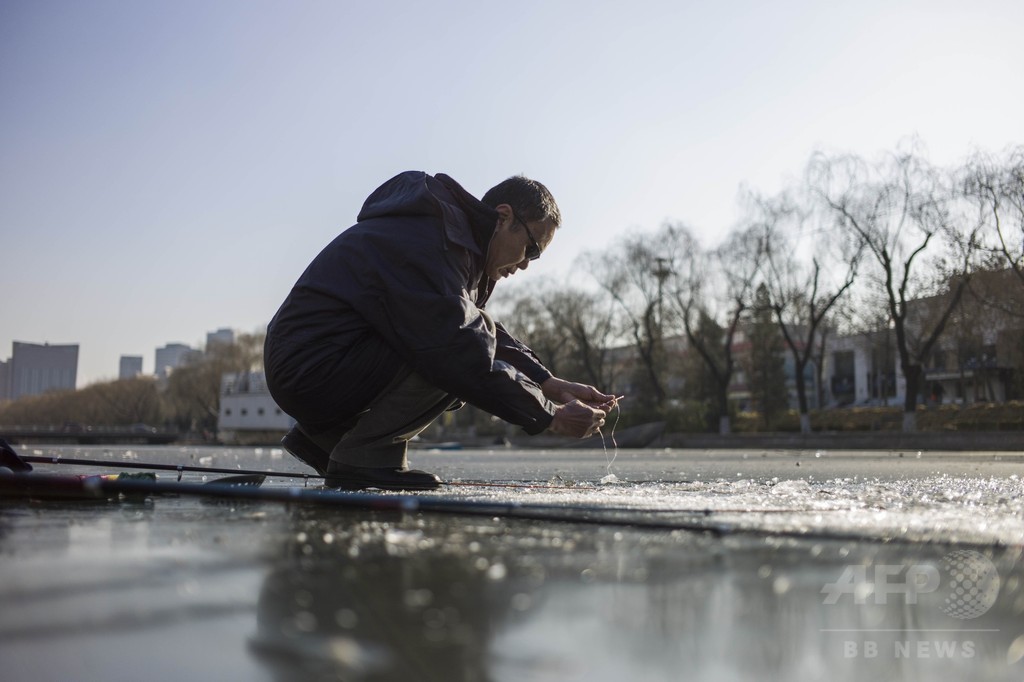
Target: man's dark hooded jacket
x,y
402,288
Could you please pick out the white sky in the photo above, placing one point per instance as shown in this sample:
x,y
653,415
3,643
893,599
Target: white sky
x,y
169,168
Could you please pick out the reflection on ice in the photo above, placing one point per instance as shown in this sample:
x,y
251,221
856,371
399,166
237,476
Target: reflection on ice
x,y
512,600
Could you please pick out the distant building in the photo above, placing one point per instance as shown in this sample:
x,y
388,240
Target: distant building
x,y
978,357
130,367
5,380
862,369
170,357
246,408
224,335
37,368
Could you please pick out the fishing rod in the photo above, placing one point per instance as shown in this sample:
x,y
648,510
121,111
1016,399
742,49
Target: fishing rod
x,y
603,509
241,474
56,486
180,468
151,466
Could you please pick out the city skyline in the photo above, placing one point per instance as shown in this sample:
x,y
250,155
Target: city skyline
x,y
128,365
171,168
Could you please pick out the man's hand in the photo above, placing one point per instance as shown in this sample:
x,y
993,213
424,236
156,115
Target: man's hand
x,y
562,391
577,419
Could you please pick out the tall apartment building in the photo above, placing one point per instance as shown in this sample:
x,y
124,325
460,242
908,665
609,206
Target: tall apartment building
x,y
169,357
130,367
223,335
37,368
5,380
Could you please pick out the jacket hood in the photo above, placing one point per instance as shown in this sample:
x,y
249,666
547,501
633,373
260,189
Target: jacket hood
x,y
467,220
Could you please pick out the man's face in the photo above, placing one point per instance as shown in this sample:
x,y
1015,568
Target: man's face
x,y
510,247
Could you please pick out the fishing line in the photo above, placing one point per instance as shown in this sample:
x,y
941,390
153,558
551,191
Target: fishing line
x,y
610,477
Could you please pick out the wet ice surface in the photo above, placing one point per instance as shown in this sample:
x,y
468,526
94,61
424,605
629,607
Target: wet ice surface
x,y
942,497
913,496
942,508
605,584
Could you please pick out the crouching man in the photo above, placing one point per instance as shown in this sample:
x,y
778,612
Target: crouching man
x,y
386,329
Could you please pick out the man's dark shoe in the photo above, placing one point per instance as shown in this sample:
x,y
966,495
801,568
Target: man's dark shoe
x,y
348,477
305,450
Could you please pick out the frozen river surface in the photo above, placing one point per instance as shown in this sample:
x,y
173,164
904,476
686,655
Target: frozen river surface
x,y
663,565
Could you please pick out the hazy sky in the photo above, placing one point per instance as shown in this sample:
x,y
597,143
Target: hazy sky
x,y
169,168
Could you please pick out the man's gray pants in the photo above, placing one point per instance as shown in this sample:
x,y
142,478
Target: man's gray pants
x,y
378,437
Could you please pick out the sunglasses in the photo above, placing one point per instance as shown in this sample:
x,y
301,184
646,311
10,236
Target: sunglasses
x,y
533,248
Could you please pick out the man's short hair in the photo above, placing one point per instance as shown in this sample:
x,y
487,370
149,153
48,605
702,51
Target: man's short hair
x,y
531,201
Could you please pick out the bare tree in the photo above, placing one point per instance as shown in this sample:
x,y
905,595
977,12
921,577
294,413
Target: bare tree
x,y
570,329
588,323
524,313
716,286
105,404
634,272
921,246
810,268
129,401
996,188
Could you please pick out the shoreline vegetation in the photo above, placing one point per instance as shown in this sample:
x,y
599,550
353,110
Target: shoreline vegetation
x,y
981,426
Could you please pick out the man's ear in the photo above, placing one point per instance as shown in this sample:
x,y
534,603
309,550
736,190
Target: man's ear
x,y
505,214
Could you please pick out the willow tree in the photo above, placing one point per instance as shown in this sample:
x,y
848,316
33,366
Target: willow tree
x,y
921,243
995,188
634,272
718,287
588,324
570,329
104,404
810,268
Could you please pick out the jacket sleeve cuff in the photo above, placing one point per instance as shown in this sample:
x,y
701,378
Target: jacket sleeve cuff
x,y
539,425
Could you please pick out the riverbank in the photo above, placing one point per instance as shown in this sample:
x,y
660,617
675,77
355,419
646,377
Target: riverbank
x,y
818,440
849,440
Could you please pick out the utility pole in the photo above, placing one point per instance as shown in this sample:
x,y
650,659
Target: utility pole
x,y
661,272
